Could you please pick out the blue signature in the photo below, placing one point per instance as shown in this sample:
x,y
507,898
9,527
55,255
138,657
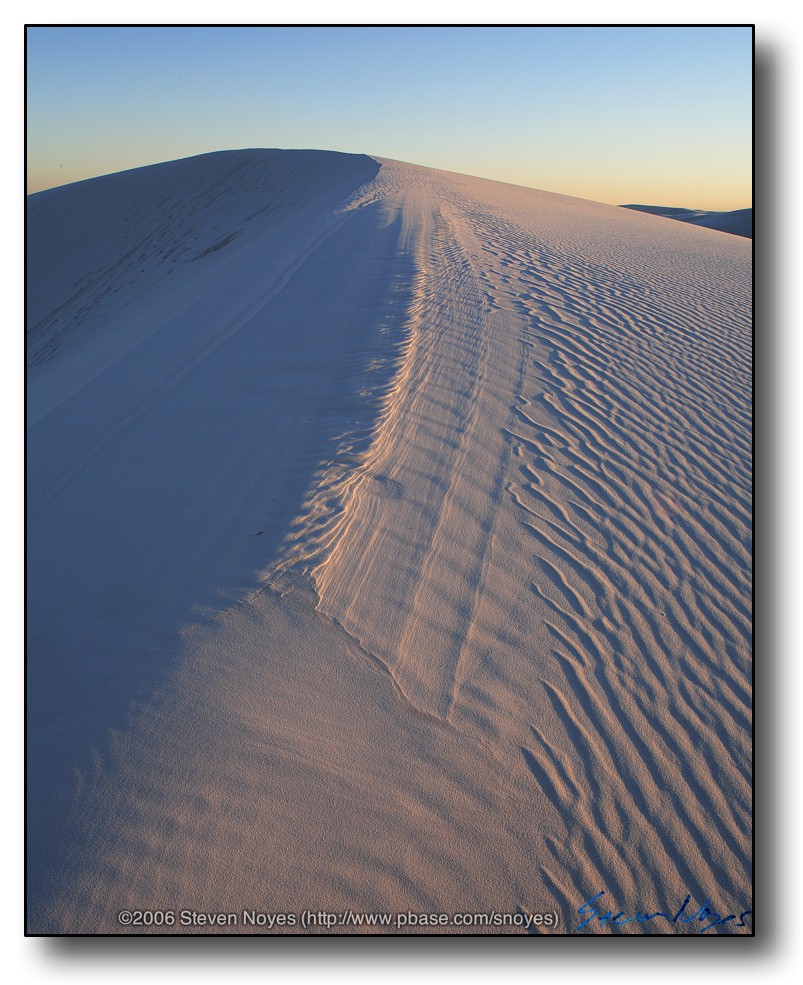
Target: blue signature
x,y
704,915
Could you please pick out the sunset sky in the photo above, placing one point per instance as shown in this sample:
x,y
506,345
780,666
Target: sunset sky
x,y
651,115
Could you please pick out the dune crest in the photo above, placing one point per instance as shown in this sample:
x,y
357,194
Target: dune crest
x,y
430,505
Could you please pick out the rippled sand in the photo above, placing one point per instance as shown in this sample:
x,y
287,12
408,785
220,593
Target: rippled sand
x,y
389,551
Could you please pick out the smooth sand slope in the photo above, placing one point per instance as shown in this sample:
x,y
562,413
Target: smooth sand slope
x,y
738,223
389,550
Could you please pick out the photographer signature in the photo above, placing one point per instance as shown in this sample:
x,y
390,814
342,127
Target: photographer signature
x,y
705,915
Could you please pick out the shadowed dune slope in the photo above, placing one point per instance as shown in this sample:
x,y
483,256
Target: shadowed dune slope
x,y
739,222
389,549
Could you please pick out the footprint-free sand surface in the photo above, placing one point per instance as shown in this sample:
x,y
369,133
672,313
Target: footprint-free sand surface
x,y
389,552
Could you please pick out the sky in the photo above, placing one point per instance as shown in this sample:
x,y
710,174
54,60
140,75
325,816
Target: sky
x,y
647,115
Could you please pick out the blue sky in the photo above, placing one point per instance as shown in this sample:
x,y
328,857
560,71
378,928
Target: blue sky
x,y
651,115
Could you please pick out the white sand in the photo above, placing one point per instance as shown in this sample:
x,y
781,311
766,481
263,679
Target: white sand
x,y
389,549
739,222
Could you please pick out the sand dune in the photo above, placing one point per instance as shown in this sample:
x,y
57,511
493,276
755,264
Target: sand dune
x,y
389,551
739,222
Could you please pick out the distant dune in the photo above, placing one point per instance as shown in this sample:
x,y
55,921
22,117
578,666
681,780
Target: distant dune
x,y
738,222
664,210
389,552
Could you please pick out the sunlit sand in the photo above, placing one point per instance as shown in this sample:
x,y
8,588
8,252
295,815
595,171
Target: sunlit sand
x,y
389,551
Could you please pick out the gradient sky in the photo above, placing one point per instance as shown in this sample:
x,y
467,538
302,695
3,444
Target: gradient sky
x,y
649,115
